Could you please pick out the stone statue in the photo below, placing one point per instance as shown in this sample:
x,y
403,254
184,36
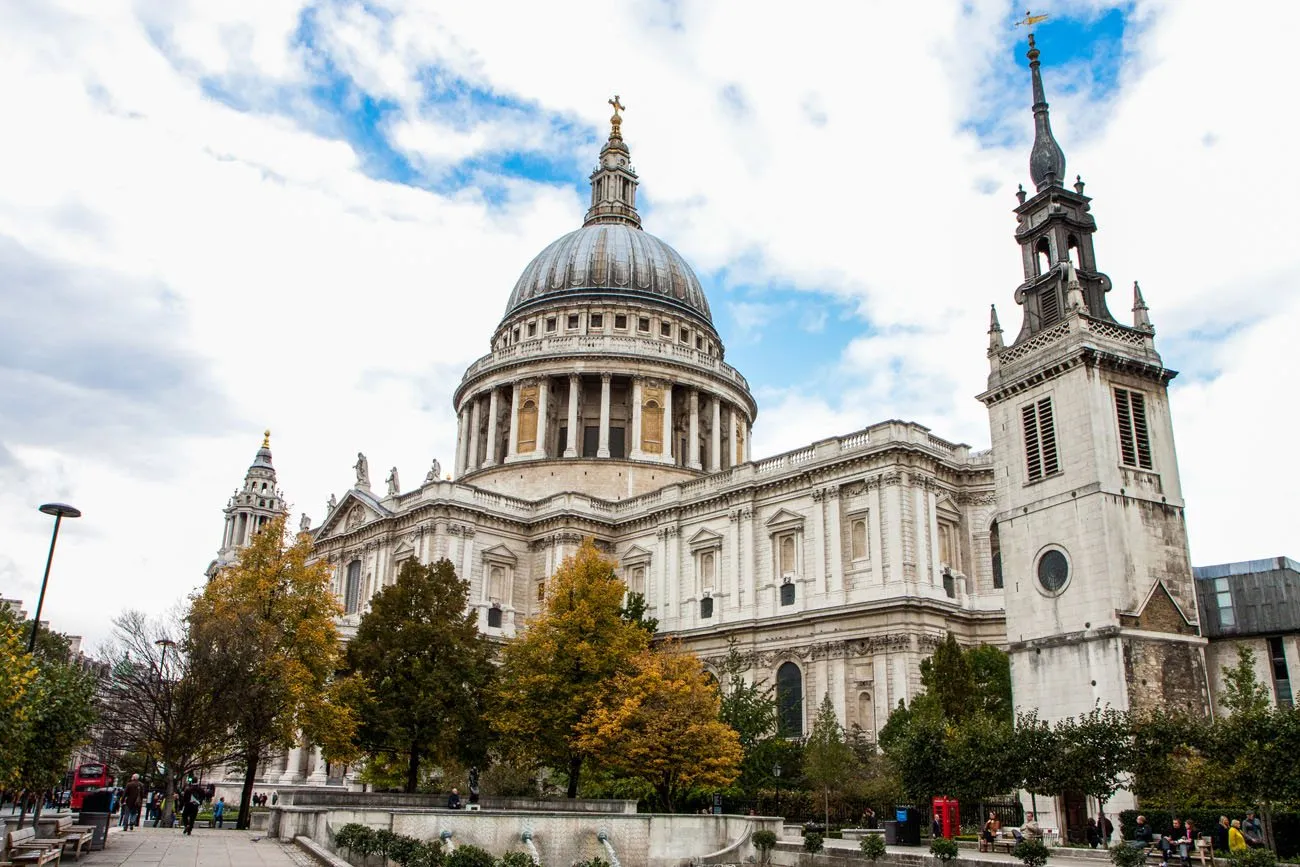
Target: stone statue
x,y
331,505
434,472
394,486
304,526
362,466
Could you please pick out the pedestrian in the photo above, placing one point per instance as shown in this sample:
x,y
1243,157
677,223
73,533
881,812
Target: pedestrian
x,y
1092,834
869,818
990,833
1252,831
219,811
1221,835
1188,843
936,827
1236,841
453,800
133,800
1105,829
1141,834
191,800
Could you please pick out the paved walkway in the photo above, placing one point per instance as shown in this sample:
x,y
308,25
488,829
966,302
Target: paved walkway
x,y
162,847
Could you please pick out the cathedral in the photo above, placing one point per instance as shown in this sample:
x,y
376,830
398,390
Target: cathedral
x,y
605,409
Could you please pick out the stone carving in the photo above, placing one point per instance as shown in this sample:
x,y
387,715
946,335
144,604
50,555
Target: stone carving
x,y
362,466
434,472
355,516
331,505
394,484
304,525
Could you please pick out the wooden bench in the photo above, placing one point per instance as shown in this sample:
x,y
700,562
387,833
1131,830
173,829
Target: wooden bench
x,y
23,847
1204,852
76,838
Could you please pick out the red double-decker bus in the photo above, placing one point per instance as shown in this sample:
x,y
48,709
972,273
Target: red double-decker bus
x,y
87,778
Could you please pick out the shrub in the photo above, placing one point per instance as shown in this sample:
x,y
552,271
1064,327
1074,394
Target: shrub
x,y
942,848
1031,852
764,841
515,859
812,842
469,856
1124,855
383,841
354,837
1252,858
401,849
427,854
593,862
873,847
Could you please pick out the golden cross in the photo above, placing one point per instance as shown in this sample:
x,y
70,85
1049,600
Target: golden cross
x,y
1030,19
618,106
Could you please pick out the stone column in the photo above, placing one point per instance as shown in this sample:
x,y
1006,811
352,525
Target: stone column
x,y
473,433
744,446
291,764
460,443
571,445
634,451
731,436
490,458
920,522
543,391
603,450
668,423
512,447
715,440
834,533
931,501
693,444
318,776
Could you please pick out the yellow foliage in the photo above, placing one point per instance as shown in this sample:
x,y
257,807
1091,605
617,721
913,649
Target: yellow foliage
x,y
17,671
659,723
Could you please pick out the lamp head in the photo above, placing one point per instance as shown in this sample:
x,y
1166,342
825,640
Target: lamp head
x,y
62,510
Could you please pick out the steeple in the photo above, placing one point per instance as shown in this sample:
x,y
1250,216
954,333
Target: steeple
x,y
995,331
1046,160
1141,315
251,507
613,183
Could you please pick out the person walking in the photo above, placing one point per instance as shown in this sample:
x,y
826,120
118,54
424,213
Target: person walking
x,y
1236,840
1092,833
219,812
1252,831
132,801
190,809
1221,835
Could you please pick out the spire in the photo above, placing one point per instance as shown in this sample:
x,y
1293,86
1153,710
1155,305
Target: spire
x,y
613,183
995,331
1046,160
263,458
1141,316
1074,290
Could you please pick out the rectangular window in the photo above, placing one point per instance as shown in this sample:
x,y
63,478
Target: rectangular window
x,y
1134,438
514,336
597,321
666,329
573,322
643,324
550,325
1040,439
617,438
1049,306
699,343
1281,677
532,329
620,321
590,441
1223,601
686,335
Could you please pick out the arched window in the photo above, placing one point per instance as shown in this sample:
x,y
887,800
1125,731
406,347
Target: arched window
x,y
652,428
1043,256
789,700
995,553
706,570
352,588
787,554
1074,252
528,427
859,537
636,580
497,584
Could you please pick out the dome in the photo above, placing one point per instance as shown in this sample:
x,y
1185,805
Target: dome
x,y
610,259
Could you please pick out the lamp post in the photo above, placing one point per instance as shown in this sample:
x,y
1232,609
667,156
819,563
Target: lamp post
x,y
164,643
59,511
165,809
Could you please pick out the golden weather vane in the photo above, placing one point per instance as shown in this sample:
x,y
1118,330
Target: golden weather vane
x,y
1031,19
618,106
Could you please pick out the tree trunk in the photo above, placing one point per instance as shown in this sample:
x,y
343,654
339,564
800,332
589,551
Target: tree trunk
x,y
167,809
1033,805
575,766
826,803
1266,813
246,794
412,768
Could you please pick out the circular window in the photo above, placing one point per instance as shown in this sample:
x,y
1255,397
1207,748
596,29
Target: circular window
x,y
1053,570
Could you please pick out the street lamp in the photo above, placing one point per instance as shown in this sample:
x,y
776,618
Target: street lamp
x,y
59,511
164,643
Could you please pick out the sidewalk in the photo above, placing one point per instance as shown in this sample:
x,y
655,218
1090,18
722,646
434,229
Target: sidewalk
x,y
168,847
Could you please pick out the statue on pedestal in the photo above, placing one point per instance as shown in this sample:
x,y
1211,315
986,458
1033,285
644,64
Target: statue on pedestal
x,y
434,472
362,466
394,486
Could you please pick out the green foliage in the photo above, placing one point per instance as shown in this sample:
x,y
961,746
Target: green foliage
x,y
828,761
592,862
1124,855
350,835
764,840
916,740
1096,748
812,842
947,677
469,856
427,667
1242,692
942,848
17,672
873,847
750,709
1260,857
1031,852
59,711
515,859
1038,752
990,668
634,612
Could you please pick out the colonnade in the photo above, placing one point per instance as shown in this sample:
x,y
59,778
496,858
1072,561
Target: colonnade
x,y
480,445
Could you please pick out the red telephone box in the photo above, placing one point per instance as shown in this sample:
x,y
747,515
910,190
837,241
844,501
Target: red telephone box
x,y
948,814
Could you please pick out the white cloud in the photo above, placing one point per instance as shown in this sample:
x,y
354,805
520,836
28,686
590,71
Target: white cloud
x,y
826,148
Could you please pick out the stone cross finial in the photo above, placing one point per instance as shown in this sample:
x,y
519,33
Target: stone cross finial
x,y
616,121
618,106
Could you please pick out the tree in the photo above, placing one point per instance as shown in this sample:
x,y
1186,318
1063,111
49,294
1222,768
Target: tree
x,y
948,678
750,709
916,740
562,666
659,723
427,668
262,639
634,611
1096,749
990,669
981,758
156,707
17,672
828,761
1242,692
1037,757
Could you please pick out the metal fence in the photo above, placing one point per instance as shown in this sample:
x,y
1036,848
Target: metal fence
x,y
801,807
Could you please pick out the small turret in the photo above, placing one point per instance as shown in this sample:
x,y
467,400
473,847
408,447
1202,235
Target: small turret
x,y
1141,314
995,331
614,183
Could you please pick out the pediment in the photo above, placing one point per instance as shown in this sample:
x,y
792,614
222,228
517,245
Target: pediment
x,y
947,508
500,554
1159,612
635,555
355,510
784,519
705,538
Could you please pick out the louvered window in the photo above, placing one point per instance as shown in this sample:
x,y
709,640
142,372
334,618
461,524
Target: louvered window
x,y
1049,306
1040,439
1134,438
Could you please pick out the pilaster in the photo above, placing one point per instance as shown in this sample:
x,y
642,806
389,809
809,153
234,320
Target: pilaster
x,y
603,449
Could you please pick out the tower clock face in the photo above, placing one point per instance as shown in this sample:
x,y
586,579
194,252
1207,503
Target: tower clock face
x,y
1053,571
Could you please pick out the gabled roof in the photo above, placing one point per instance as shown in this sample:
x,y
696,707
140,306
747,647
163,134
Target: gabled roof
x,y
372,509
784,518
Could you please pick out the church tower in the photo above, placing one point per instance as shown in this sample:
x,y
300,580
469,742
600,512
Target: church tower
x,y
1089,535
250,508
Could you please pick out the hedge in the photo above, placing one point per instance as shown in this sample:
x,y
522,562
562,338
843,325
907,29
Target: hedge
x,y
1286,825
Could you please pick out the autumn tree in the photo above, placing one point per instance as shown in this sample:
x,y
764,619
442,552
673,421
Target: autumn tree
x,y
828,760
427,668
262,639
17,672
658,723
153,703
561,667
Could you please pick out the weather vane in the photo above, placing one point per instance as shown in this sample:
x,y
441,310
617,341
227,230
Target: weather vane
x,y
618,106
1029,20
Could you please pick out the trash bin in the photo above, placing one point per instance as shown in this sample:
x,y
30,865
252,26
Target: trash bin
x,y
909,826
891,832
95,811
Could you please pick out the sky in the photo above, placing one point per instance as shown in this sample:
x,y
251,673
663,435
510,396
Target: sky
x,y
307,215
